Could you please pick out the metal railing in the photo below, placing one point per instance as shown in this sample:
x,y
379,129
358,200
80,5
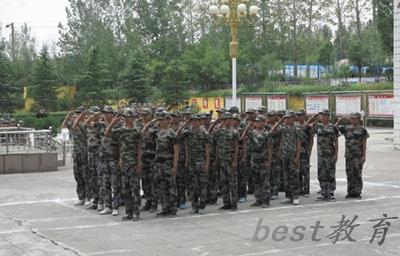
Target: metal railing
x,y
29,141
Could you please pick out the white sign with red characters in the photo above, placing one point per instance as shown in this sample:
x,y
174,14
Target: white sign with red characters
x,y
380,105
276,103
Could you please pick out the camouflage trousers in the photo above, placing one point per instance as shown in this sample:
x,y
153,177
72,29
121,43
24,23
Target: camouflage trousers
x,y
291,174
262,188
212,187
111,184
199,184
131,188
304,176
250,175
166,185
149,180
242,181
229,183
354,176
92,177
276,168
80,170
181,182
326,175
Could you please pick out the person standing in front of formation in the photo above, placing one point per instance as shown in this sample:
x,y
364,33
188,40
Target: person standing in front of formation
x,y
356,147
327,146
292,139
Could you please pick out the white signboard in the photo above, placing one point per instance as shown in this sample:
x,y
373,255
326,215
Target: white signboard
x,y
253,102
347,104
276,103
380,105
228,102
314,104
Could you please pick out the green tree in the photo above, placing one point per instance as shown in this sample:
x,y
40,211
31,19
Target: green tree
x,y
135,79
384,22
358,54
325,54
173,84
94,80
9,96
43,89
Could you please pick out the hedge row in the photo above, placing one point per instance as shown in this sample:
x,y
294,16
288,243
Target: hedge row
x,y
53,120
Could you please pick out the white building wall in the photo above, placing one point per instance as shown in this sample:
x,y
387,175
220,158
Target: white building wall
x,y
396,61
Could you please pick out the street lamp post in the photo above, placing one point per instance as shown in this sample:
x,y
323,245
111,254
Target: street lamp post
x,y
12,39
233,11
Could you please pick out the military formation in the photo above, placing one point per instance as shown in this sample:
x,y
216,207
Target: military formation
x,y
177,158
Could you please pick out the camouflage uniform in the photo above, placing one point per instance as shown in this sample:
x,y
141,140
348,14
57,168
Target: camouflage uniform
x,y
276,165
182,175
93,142
79,156
304,176
226,141
242,172
290,137
129,140
166,183
111,174
148,168
197,139
258,150
212,187
354,152
326,137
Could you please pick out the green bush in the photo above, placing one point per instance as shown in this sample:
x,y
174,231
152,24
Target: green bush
x,y
53,120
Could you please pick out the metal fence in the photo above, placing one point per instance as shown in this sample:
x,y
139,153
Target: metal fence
x,y
28,141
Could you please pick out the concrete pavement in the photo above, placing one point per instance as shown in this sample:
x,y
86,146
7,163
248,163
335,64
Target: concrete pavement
x,y
37,217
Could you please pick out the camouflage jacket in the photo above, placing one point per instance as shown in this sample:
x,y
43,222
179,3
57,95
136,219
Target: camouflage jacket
x,y
197,139
258,144
226,139
354,140
109,144
326,137
290,137
165,141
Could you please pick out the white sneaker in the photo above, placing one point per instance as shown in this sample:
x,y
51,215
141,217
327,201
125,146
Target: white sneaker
x,y
80,203
114,212
106,210
296,201
306,195
87,202
286,201
100,207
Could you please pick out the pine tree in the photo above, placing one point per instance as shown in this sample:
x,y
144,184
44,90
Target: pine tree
x,y
43,89
135,83
8,95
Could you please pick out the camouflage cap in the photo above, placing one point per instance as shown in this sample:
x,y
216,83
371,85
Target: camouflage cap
x,y
262,109
196,117
251,111
281,112
80,109
128,112
271,113
187,111
227,115
108,109
95,109
221,110
176,114
260,118
236,117
163,115
234,109
146,111
356,115
289,113
301,112
324,112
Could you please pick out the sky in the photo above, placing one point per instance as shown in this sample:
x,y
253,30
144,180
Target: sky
x,y
42,16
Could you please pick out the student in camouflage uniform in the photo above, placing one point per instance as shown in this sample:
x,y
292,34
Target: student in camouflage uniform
x,y
149,157
197,150
260,151
111,171
356,146
251,116
78,155
92,128
228,151
276,164
306,149
327,145
129,137
242,177
292,139
167,155
213,173
183,175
